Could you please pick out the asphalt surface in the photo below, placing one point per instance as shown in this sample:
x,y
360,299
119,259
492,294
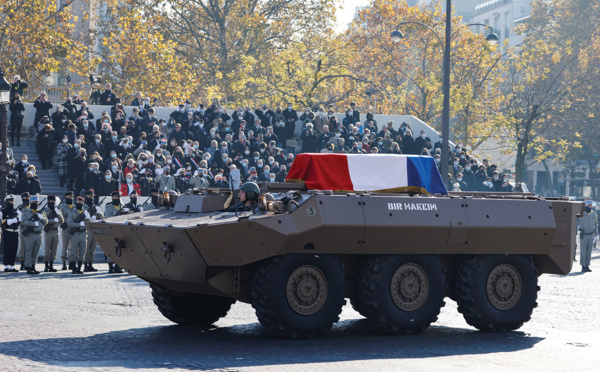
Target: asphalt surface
x,y
102,322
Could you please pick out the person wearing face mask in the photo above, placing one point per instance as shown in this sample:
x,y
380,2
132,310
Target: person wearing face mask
x,y
79,169
34,221
130,185
468,177
76,227
21,167
146,181
165,182
421,142
588,228
107,184
133,205
42,106
55,219
455,167
16,118
108,98
65,209
462,185
10,234
488,186
29,184
91,177
61,151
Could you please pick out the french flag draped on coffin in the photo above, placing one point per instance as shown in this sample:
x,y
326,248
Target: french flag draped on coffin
x,y
373,172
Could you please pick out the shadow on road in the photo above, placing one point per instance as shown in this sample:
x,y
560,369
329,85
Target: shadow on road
x,y
251,345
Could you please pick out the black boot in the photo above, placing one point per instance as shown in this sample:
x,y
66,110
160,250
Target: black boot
x,y
51,267
111,268
46,268
23,268
91,268
85,268
118,269
30,270
34,270
79,268
72,267
65,266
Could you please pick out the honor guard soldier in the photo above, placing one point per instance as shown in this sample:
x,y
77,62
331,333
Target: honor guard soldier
x,y
95,214
34,222
55,219
588,227
114,209
10,232
76,228
65,209
133,206
23,240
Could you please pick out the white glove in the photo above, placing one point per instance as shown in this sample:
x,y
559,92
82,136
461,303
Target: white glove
x,y
87,215
141,209
56,210
56,220
82,223
36,224
94,218
125,209
40,216
11,221
98,210
19,213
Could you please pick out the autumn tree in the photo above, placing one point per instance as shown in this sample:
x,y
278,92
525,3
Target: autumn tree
x,y
548,76
409,73
37,39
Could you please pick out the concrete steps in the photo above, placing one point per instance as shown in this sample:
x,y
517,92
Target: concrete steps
x,y
49,177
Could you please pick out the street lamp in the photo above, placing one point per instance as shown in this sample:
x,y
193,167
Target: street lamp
x,y
4,100
491,38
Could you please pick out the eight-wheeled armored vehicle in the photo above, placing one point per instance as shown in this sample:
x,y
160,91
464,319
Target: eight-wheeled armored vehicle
x,y
395,251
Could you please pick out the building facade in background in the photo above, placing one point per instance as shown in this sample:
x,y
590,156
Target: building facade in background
x,y
504,16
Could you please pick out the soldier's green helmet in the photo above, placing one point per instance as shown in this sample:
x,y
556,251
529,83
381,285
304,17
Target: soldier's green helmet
x,y
252,190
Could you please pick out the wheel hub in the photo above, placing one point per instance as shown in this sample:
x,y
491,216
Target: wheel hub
x,y
409,287
306,290
504,287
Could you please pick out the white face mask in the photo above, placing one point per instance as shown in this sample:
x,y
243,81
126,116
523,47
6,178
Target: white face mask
x,y
65,140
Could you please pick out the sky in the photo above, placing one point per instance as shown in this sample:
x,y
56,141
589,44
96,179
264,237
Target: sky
x,y
345,15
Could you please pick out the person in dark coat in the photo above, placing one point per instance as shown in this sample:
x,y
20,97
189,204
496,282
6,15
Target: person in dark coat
x,y
42,108
46,140
79,168
17,87
108,98
16,118
29,184
309,139
107,184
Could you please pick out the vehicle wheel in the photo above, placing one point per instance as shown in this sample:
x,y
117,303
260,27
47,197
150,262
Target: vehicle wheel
x,y
193,310
497,292
356,299
403,293
299,296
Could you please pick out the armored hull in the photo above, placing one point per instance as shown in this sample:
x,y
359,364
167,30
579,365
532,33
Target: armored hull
x,y
298,256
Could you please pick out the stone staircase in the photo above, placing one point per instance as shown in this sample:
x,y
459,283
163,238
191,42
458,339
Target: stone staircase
x,y
49,177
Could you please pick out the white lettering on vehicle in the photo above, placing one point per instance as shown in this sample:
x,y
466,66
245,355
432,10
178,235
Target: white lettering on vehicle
x,y
412,206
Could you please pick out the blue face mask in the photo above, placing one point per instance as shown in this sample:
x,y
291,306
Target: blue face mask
x,y
129,180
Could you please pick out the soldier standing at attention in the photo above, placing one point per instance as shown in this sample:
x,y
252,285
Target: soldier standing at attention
x,y
95,214
55,219
10,233
65,209
76,225
35,220
23,240
588,227
133,206
154,192
114,209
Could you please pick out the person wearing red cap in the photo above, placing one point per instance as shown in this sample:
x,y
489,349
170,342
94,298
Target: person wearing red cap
x,y
76,224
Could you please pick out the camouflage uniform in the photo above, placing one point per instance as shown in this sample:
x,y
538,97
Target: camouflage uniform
x,y
588,227
78,239
51,236
95,214
23,239
34,239
65,209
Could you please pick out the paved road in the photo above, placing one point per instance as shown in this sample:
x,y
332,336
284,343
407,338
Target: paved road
x,y
101,322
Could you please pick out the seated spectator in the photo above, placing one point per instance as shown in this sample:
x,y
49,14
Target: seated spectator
x,y
130,186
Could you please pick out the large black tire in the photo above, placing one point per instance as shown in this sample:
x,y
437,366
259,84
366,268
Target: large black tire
x,y
299,296
497,292
193,310
402,293
356,299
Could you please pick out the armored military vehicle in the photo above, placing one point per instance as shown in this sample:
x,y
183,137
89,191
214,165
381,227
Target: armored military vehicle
x,y
388,237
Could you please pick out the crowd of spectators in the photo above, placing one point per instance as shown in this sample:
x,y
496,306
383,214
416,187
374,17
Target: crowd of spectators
x,y
197,147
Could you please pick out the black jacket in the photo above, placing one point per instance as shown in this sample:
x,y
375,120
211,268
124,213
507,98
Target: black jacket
x,y
108,98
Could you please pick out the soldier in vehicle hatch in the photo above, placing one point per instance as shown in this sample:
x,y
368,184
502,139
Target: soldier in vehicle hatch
x,y
248,196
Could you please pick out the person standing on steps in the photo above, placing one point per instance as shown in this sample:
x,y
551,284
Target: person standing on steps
x,y
55,219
